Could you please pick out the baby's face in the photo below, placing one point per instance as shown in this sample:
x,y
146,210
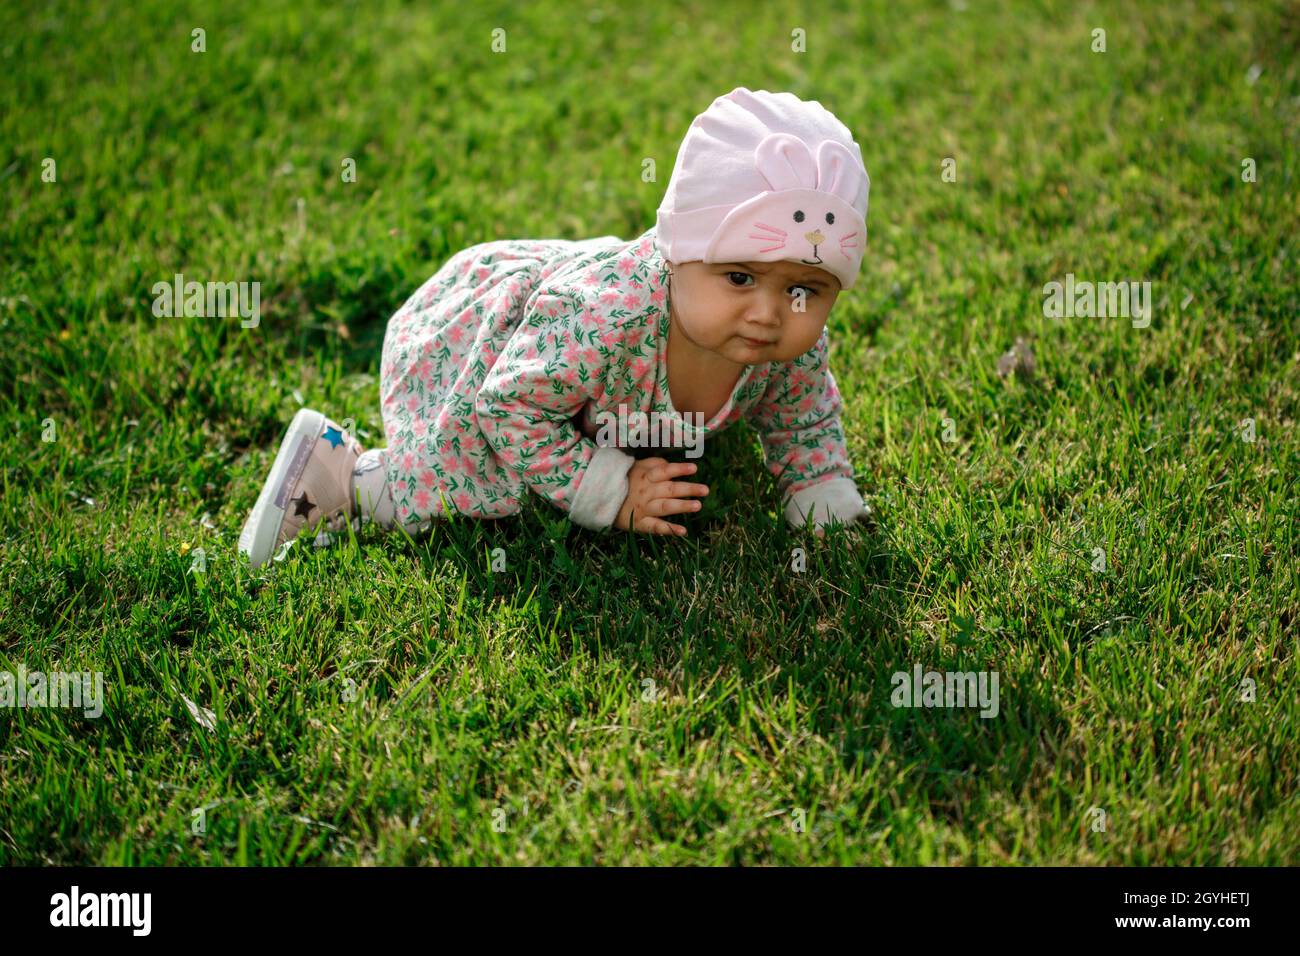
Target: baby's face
x,y
747,311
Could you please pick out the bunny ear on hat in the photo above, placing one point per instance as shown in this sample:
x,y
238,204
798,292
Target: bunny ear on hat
x,y
785,162
839,172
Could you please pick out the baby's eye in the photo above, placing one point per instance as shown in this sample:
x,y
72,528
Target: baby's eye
x,y
745,275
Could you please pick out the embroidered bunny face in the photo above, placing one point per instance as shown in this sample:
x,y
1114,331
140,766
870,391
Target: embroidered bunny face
x,y
807,216
806,237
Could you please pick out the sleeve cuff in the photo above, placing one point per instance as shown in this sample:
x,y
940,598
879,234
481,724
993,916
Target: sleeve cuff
x,y
602,490
834,499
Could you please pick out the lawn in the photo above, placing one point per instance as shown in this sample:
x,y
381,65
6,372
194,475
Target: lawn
x,y
1107,520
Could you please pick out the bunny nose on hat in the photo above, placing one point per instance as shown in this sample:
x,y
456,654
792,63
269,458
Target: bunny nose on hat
x,y
766,177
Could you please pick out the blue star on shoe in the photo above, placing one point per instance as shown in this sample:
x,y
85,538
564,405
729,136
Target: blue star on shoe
x,y
333,436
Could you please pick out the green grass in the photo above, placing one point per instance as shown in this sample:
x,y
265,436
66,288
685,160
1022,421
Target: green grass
x,y
517,696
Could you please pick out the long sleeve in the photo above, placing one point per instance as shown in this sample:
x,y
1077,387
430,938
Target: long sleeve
x,y
798,422
558,358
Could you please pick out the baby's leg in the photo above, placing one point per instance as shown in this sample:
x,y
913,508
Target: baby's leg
x,y
371,493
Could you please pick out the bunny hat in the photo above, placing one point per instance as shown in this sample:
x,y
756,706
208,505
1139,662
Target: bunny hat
x,y
766,177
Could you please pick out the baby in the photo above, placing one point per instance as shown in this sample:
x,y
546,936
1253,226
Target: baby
x,y
501,374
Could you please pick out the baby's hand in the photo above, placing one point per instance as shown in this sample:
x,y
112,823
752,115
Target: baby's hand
x,y
652,493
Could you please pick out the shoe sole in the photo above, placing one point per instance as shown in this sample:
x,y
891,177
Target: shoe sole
x,y
257,540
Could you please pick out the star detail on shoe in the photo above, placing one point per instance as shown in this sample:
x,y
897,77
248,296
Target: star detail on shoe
x,y
333,436
302,505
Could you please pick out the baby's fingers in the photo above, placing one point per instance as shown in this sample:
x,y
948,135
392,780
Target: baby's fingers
x,y
673,506
659,526
670,469
677,489
648,520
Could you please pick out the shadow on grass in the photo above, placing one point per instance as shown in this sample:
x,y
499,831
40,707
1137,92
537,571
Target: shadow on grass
x,y
728,600
820,626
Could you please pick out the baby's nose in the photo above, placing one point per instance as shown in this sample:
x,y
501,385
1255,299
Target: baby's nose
x,y
815,237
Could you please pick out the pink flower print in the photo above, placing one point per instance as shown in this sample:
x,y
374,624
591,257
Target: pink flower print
x,y
426,478
590,356
626,265
483,273
592,278
452,464
570,375
408,461
530,352
412,404
806,404
443,420
422,500
610,338
635,336
817,458
466,465
631,300
639,367
609,296
463,501
571,354
658,295
420,427
456,334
